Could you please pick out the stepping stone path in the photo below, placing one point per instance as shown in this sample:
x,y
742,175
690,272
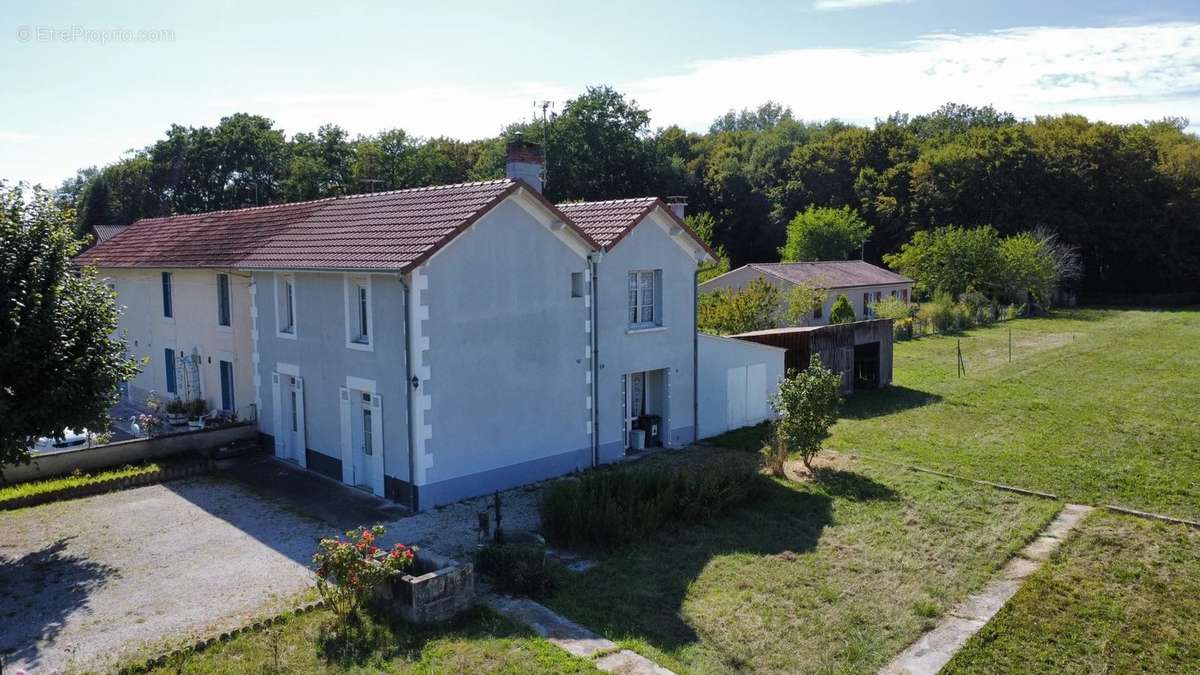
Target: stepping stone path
x,y
574,638
935,649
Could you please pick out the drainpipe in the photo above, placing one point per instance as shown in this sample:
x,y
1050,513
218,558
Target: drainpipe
x,y
408,396
593,259
695,356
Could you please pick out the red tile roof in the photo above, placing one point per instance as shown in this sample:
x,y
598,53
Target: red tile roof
x,y
609,221
832,273
393,230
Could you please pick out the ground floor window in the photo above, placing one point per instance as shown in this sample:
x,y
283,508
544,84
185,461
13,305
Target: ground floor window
x,y
227,403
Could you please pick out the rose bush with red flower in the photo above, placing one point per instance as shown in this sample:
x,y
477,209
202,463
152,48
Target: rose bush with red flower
x,y
349,569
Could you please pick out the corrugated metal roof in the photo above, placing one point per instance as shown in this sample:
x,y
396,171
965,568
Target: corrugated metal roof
x,y
832,273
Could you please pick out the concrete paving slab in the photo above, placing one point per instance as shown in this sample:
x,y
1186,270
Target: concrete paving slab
x,y
626,662
934,650
1041,548
554,627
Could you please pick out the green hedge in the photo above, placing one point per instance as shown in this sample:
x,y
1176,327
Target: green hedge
x,y
615,508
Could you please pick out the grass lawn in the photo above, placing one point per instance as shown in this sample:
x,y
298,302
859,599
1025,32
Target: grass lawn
x,y
18,490
1121,596
834,575
1097,406
480,641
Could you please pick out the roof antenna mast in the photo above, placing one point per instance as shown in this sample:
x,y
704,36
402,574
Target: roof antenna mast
x,y
545,106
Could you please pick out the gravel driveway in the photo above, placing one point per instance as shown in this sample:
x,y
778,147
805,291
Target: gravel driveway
x,y
88,580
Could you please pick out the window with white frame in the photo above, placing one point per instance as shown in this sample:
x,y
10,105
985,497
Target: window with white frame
x,y
167,299
358,312
285,311
645,298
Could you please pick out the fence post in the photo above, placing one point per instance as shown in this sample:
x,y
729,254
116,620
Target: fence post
x,y
1010,345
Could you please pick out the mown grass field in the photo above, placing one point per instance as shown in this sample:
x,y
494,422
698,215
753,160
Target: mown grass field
x,y
1121,596
481,641
1097,406
832,575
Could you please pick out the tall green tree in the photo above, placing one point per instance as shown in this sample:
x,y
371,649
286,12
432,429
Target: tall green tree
x,y
823,233
951,260
597,148
96,207
60,367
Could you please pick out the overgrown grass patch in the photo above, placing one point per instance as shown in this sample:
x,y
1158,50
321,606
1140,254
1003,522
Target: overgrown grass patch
x,y
1097,406
833,575
1121,596
614,508
29,488
480,641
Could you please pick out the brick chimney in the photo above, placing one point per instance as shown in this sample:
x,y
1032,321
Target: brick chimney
x,y
525,160
677,203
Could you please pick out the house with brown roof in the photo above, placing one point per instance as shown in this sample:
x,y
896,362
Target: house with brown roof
x,y
861,282
438,343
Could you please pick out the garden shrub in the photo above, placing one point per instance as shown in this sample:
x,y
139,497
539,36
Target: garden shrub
x,y
516,568
842,311
348,570
807,403
612,509
940,314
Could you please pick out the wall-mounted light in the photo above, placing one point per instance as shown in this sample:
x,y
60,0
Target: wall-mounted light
x,y
415,381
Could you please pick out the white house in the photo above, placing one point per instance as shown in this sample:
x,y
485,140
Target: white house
x,y
438,343
861,282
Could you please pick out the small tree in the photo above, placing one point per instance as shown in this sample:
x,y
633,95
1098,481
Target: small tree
x,y
803,300
842,311
807,403
60,366
728,311
824,233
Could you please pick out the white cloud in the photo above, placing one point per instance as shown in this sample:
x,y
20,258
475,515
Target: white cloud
x,y
838,5
1121,74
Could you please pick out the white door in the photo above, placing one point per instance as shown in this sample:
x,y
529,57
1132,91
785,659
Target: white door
x,y
635,395
362,440
756,393
287,396
735,397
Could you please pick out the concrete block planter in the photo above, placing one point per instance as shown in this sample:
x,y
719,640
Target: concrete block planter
x,y
435,589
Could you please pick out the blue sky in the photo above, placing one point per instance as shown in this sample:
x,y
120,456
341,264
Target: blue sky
x,y
81,93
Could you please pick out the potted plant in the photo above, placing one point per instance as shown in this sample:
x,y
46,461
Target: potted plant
x,y
196,409
176,411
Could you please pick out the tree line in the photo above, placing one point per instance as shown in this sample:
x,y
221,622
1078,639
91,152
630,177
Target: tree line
x,y
1125,197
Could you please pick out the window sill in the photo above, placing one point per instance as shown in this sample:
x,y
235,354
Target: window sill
x,y
286,336
360,346
647,329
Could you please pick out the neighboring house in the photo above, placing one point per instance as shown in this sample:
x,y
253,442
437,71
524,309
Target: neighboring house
x,y
188,313
861,282
439,343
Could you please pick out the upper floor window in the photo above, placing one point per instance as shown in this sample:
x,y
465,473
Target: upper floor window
x,y
285,298
645,298
358,312
168,309
223,318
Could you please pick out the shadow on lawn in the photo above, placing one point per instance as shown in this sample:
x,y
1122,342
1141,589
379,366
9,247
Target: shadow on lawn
x,y
879,402
40,590
640,593
851,485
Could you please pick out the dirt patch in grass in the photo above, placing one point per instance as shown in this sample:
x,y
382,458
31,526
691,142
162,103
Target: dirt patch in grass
x,y
837,573
1121,596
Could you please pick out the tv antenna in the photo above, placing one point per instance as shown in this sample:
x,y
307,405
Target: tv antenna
x,y
546,107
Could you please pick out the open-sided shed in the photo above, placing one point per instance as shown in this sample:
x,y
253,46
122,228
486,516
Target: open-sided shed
x,y
861,351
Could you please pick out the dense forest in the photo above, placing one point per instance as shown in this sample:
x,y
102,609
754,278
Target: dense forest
x,y
1127,197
